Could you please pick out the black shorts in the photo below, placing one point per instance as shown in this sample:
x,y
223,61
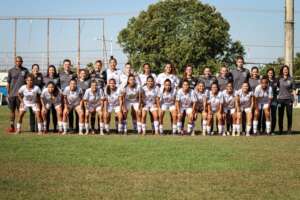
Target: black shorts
x,y
13,103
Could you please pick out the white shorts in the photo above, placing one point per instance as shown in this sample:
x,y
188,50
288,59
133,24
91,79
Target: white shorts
x,y
116,109
264,106
93,108
72,106
150,108
135,105
247,110
166,107
56,105
232,110
186,110
34,107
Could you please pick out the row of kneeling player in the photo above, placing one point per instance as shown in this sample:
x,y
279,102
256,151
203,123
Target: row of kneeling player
x,y
226,106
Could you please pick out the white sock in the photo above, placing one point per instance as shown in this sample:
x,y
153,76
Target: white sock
x,y
65,127
255,123
139,127
40,127
268,127
204,126
60,128
44,125
106,126
220,129
174,128
248,129
190,128
179,127
101,126
18,126
161,128
156,126
238,128
144,128
234,128
86,127
120,127
125,125
208,129
81,125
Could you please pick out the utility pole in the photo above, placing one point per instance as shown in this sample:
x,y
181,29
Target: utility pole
x,y
78,45
15,39
289,34
48,42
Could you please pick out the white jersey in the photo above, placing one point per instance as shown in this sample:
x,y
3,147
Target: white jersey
x,y
93,98
200,98
29,95
131,94
245,99
114,75
143,78
113,98
73,97
228,100
167,98
186,100
215,101
163,76
263,96
150,95
49,99
124,79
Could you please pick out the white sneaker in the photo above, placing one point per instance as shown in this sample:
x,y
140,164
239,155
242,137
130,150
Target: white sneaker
x,y
80,133
233,134
223,134
228,133
193,133
247,134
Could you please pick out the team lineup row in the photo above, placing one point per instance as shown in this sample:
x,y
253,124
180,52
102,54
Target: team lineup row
x,y
229,97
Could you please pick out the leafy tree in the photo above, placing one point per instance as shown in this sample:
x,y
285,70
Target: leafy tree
x,y
180,31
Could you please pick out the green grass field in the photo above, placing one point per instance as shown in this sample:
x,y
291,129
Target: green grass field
x,y
136,167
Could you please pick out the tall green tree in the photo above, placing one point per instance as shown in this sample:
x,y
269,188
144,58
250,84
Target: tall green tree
x,y
179,31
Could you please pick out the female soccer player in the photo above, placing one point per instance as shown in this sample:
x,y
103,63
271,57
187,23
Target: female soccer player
x,y
201,96
94,101
29,96
131,97
167,74
167,99
263,97
73,101
254,79
113,102
188,75
273,83
229,107
149,102
185,104
244,105
83,82
146,72
51,96
113,72
215,106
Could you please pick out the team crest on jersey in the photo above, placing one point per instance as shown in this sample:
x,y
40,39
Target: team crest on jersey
x,y
288,82
23,73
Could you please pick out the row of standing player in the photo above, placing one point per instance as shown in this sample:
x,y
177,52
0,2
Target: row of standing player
x,y
122,79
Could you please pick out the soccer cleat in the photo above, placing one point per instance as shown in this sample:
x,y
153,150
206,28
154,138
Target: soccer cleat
x,y
247,134
223,134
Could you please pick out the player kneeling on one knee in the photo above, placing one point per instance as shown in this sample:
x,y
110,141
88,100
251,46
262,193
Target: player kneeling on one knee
x,y
29,96
185,103
51,96
73,101
93,102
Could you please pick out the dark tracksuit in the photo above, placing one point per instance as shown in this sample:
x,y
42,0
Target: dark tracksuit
x,y
52,110
273,83
285,102
38,81
223,81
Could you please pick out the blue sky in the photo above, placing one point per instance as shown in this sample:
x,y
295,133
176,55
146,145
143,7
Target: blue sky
x,y
254,22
